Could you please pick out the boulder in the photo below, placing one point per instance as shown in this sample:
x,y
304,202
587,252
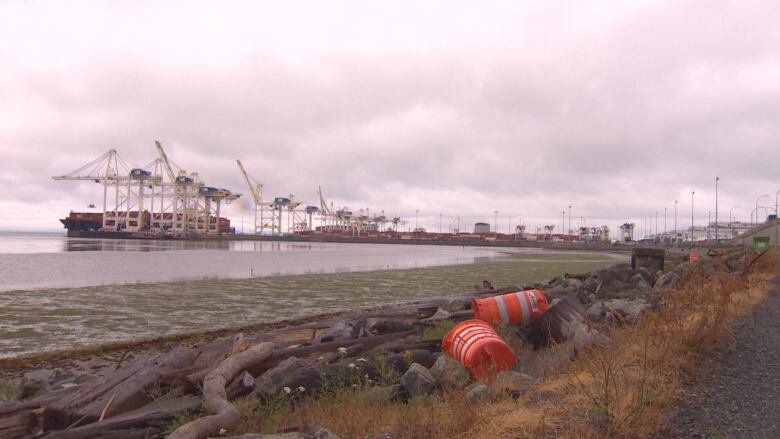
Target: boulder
x,y
579,336
450,374
382,395
631,309
555,292
575,283
596,312
590,284
324,433
667,280
418,380
344,330
479,393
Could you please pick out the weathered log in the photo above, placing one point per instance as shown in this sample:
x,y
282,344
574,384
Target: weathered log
x,y
244,384
18,425
45,399
223,415
126,388
155,414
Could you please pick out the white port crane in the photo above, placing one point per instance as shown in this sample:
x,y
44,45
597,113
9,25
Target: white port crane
x,y
112,172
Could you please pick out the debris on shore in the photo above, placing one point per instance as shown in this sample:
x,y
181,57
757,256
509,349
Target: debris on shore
x,y
395,352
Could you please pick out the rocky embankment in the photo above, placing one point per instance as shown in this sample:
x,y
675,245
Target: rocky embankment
x,y
390,354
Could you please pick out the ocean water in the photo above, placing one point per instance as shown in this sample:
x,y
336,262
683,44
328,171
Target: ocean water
x,y
59,293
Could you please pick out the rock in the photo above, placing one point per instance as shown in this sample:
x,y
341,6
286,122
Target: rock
x,y
621,281
384,326
382,395
596,312
513,383
381,435
479,393
580,336
324,433
418,381
590,284
631,309
34,388
575,283
450,374
668,280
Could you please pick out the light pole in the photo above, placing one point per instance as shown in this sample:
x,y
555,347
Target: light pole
x,y
569,231
495,222
439,223
716,209
509,227
664,223
675,221
656,224
416,211
563,222
731,225
760,197
692,194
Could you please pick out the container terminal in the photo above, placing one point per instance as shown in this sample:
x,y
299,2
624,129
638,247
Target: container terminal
x,y
163,201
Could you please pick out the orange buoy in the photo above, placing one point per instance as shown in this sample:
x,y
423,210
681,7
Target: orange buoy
x,y
694,257
517,308
476,345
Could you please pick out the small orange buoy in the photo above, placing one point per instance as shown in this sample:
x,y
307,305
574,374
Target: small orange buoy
x,y
517,308
476,345
694,257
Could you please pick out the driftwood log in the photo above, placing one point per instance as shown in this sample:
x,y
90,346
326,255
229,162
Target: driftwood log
x,y
222,414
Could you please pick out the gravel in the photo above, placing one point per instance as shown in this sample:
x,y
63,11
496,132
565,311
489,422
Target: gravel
x,y
737,392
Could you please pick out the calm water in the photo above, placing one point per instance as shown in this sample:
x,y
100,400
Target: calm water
x,y
59,293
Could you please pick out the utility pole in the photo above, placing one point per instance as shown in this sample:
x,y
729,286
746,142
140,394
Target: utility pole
x,y
692,193
569,219
675,221
563,222
439,223
656,224
716,209
495,223
664,223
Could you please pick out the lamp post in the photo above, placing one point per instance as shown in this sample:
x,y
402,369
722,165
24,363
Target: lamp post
x,y
569,231
439,223
416,211
716,209
656,224
509,227
495,222
692,194
760,197
563,223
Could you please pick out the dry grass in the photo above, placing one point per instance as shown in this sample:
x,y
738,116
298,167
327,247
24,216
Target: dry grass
x,y
618,391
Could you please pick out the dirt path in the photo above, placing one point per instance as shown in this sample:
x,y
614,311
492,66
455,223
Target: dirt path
x,y
737,393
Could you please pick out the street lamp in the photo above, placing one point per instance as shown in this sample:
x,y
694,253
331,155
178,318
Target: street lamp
x,y
569,231
416,211
760,197
563,222
495,222
664,224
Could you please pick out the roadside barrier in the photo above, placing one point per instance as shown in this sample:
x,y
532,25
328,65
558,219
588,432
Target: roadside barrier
x,y
518,308
476,345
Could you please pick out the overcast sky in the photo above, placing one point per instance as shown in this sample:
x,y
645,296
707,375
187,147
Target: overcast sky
x,y
453,108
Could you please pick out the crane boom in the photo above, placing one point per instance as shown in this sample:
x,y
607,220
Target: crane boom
x,y
256,188
165,161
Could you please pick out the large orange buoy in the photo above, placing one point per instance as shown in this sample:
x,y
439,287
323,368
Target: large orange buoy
x,y
476,345
517,308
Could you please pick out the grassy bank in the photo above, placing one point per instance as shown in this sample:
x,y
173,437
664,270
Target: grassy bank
x,y
621,390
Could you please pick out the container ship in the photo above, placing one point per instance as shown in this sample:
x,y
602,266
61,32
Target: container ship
x,y
90,224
